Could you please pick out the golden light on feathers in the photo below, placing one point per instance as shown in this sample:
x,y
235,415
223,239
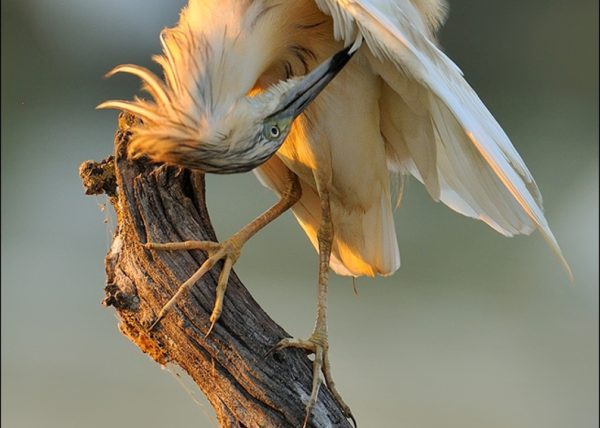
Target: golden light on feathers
x,y
222,53
401,106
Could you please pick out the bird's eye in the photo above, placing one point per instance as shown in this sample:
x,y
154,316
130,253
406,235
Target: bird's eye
x,y
274,131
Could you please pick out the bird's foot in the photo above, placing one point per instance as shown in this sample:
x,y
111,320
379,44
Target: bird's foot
x,y
229,251
318,345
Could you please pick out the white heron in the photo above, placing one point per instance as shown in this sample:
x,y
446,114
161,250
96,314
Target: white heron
x,y
240,78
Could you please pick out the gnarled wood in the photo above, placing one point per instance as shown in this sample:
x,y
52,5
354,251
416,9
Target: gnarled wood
x,y
246,387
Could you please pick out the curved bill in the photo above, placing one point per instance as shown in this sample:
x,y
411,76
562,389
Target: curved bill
x,y
311,85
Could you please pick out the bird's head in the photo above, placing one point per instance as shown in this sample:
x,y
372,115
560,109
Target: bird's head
x,y
190,123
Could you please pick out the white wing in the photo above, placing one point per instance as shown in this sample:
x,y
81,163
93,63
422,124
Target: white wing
x,y
466,160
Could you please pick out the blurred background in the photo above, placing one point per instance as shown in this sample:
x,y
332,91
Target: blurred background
x,y
475,330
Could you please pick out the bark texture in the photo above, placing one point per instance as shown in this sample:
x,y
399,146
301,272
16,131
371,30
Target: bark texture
x,y
246,387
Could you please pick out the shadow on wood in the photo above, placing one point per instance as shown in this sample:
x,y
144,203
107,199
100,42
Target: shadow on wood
x,y
246,387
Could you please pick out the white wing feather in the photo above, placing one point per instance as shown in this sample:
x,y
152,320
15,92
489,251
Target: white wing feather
x,y
397,33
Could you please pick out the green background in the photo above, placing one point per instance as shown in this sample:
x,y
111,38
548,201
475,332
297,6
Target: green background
x,y
475,330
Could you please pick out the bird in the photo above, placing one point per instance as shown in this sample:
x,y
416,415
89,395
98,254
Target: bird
x,y
332,104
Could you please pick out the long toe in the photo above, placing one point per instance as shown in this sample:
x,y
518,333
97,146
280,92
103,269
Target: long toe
x,y
317,345
229,251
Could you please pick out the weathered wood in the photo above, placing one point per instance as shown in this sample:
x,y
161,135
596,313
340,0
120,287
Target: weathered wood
x,y
246,387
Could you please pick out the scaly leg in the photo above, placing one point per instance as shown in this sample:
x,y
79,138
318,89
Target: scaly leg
x,y
229,251
318,342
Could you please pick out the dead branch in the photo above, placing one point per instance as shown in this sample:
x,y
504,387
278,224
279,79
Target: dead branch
x,y
246,387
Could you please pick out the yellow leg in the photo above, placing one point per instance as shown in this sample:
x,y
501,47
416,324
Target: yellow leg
x,y
318,343
229,251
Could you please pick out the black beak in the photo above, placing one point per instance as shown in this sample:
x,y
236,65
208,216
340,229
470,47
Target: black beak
x,y
300,96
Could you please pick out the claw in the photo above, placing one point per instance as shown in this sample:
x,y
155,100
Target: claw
x,y
210,329
228,251
305,419
154,324
272,350
148,245
160,316
351,417
318,345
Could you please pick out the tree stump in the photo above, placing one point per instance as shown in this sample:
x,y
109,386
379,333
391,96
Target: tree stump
x,y
247,386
